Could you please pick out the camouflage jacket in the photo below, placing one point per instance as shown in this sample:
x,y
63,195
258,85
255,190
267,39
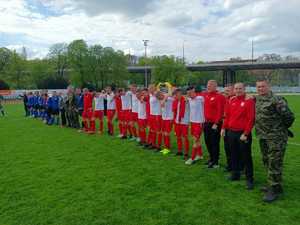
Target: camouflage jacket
x,y
71,102
273,117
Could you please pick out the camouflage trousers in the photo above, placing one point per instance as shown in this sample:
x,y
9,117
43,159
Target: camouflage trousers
x,y
273,151
72,118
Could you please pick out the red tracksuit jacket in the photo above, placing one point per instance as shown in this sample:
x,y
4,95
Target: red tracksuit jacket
x,y
240,114
213,107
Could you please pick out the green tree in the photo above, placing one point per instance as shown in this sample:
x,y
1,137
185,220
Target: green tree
x,y
168,68
58,56
5,55
77,55
16,72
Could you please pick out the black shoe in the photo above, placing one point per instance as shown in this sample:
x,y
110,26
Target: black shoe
x,y
151,147
186,156
124,137
249,185
234,178
179,154
146,146
264,189
212,165
227,169
270,196
208,162
157,149
277,189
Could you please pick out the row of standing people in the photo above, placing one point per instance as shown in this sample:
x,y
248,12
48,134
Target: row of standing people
x,y
148,116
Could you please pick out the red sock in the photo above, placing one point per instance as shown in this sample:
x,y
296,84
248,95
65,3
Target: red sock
x,y
159,140
92,126
179,144
128,129
133,131
101,126
194,152
153,138
199,151
186,145
120,127
150,137
110,127
167,141
143,135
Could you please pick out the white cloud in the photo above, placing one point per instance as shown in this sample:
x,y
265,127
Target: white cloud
x,y
212,29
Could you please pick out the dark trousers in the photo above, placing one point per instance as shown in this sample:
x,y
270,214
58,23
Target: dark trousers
x,y
212,140
63,117
227,150
240,154
26,110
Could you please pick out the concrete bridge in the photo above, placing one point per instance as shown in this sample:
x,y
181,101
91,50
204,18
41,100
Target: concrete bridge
x,y
229,68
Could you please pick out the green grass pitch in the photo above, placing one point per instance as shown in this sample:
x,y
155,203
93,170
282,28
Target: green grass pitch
x,y
50,175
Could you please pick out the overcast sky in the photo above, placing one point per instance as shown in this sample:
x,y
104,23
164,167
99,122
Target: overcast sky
x,y
209,29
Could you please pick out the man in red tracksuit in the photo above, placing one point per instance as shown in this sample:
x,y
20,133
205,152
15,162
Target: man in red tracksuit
x,y
228,94
88,114
213,112
239,121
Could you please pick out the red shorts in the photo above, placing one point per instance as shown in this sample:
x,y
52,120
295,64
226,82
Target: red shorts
x,y
127,115
98,114
181,130
110,114
196,130
142,123
155,123
134,117
87,114
167,126
120,115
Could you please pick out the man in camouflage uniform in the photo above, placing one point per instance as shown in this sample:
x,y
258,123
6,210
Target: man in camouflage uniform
x,y
273,118
71,111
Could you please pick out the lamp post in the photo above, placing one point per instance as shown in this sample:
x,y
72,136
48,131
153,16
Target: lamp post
x,y
146,75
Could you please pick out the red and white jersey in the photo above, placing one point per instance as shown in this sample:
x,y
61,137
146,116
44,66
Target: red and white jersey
x,y
142,114
111,103
155,108
197,109
134,103
126,101
167,110
99,102
186,119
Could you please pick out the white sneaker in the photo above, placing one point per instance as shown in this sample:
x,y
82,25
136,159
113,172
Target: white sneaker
x,y
133,139
138,140
198,158
120,135
189,162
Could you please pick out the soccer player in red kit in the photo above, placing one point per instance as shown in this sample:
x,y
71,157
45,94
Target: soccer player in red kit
x,y
239,121
126,111
181,117
88,114
196,122
99,109
213,113
154,120
167,118
120,114
142,115
134,112
111,110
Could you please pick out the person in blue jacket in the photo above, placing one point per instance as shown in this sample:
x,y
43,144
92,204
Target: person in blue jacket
x,y
53,109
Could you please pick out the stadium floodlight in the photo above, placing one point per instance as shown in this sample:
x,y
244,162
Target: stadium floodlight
x,y
146,75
